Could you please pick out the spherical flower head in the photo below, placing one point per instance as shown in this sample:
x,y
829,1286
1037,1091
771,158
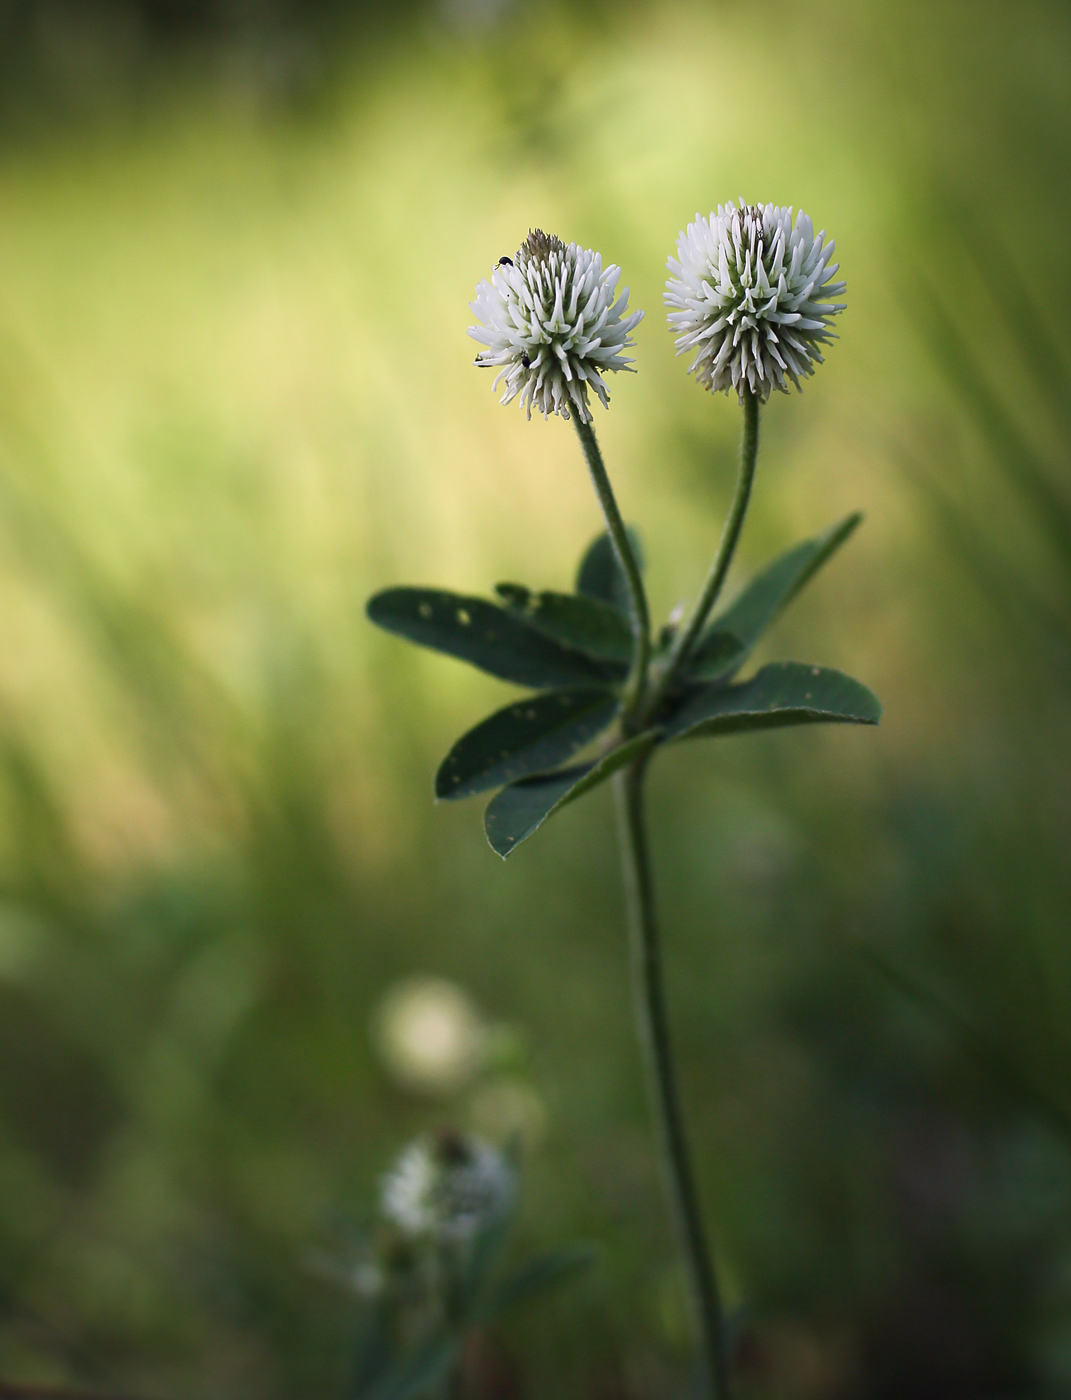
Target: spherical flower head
x,y
752,295
551,324
447,1188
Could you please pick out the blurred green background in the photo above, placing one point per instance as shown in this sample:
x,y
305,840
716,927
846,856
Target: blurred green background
x,y
236,397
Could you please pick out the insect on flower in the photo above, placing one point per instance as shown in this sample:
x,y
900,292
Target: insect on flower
x,y
552,327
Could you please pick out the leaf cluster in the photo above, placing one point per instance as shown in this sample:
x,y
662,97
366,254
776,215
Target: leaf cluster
x,y
574,650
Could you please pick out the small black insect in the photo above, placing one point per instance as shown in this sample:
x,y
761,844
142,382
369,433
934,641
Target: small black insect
x,y
505,260
526,362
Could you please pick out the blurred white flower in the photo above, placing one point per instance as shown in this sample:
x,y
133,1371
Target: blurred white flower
x,y
448,1187
429,1035
551,324
752,295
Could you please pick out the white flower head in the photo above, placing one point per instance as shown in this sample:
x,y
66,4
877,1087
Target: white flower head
x,y
550,322
752,295
447,1187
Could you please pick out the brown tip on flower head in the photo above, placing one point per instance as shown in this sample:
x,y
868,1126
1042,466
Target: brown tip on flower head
x,y
538,246
552,326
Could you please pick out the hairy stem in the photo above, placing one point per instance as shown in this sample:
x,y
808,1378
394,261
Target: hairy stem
x,y
626,557
730,535
653,1026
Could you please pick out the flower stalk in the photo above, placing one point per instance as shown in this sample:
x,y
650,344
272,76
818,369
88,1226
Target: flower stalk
x,y
730,537
626,558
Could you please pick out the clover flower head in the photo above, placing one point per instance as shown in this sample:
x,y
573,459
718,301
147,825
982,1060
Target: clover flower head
x,y
551,324
752,295
447,1188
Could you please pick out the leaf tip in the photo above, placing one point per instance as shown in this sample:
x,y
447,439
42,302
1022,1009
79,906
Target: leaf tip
x,y
503,851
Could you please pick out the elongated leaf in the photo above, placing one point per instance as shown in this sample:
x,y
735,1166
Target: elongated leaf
x,y
583,624
417,1371
523,807
485,1251
1015,453
718,654
1022,313
764,597
483,634
375,1354
784,693
600,575
530,736
538,1276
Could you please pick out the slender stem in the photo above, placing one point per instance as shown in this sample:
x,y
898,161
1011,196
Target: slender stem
x,y
626,557
653,1026
730,535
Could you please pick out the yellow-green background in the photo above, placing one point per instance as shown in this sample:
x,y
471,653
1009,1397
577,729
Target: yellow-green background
x,y
236,397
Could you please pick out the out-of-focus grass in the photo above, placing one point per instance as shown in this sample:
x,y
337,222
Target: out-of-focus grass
x,y
235,398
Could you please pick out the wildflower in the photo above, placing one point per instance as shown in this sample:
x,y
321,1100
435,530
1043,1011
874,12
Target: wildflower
x,y
752,296
550,322
448,1187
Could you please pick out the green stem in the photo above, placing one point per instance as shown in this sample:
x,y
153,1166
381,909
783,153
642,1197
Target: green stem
x,y
653,1026
730,535
641,627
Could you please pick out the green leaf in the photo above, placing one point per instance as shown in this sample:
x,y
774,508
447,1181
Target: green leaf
x,y
375,1353
760,602
483,634
538,1276
486,1249
530,736
600,576
583,624
718,654
1022,313
523,807
416,1371
1020,461
784,693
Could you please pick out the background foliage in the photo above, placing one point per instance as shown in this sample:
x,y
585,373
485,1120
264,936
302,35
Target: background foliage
x,y
235,399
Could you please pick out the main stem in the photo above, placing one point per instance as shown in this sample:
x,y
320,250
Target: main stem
x,y
645,955
626,557
650,1007
730,535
